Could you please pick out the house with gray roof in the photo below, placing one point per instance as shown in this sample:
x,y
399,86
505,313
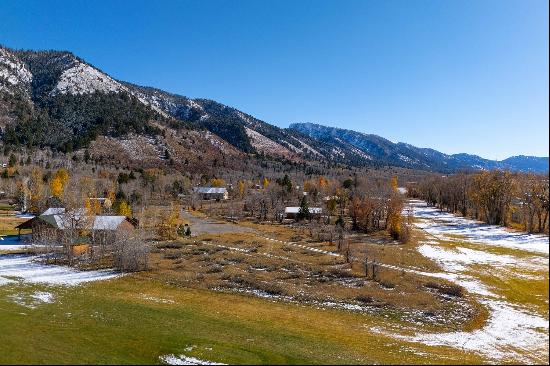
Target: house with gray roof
x,y
58,219
212,193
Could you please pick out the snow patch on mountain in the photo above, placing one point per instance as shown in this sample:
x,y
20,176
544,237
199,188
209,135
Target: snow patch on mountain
x,y
215,140
265,145
84,79
338,152
156,102
12,71
307,147
360,153
192,104
244,117
142,147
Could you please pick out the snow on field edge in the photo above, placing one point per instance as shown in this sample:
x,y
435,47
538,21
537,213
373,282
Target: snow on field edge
x,y
186,360
440,224
24,268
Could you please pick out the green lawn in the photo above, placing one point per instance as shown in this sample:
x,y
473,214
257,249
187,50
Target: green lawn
x,y
132,320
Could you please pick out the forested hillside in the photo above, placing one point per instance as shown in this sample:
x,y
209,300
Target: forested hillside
x,y
54,99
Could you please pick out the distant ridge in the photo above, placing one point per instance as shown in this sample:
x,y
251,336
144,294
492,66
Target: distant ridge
x,y
401,154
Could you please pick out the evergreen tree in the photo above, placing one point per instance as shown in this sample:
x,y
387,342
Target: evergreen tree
x,y
12,161
303,212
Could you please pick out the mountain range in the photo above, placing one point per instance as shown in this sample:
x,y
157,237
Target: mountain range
x,y
54,99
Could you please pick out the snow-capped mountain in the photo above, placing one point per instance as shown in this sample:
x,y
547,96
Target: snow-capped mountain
x,y
58,100
47,78
408,156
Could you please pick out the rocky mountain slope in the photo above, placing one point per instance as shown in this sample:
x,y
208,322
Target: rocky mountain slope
x,y
55,99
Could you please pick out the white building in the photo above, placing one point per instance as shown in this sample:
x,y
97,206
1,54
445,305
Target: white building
x,y
212,193
292,212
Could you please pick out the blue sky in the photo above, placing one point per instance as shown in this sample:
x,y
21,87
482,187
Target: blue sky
x,y
457,76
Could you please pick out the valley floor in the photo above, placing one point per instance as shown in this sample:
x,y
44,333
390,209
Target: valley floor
x,y
196,304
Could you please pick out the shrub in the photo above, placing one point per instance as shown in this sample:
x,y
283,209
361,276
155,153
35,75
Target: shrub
x,y
172,255
449,290
169,245
131,251
364,299
387,284
214,269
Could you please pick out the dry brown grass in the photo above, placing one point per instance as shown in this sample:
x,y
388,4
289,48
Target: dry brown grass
x,y
248,262
8,224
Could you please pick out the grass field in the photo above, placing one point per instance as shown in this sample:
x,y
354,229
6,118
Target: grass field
x,y
132,320
193,303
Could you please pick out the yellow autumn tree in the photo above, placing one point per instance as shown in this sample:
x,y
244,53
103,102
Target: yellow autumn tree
x,y
88,190
59,182
93,207
10,171
167,227
309,185
217,182
265,183
111,194
394,184
242,189
174,217
36,189
323,182
124,209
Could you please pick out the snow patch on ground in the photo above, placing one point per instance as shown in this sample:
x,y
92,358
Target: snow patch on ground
x,y
42,296
34,300
507,329
5,281
512,331
141,147
156,299
439,223
456,260
338,152
186,360
24,268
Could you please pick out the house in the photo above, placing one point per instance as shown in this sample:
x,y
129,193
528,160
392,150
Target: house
x,y
292,212
55,220
212,193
